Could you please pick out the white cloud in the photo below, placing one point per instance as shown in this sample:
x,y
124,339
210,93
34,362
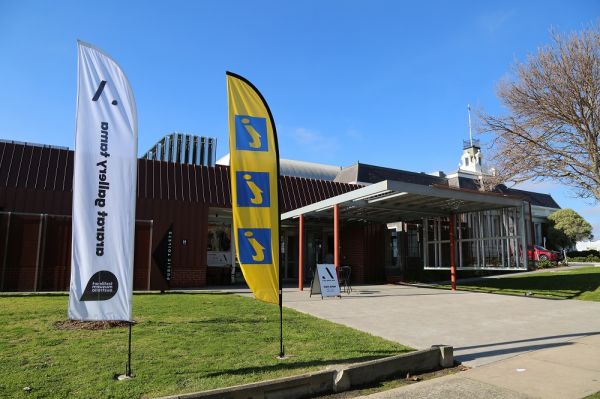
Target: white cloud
x,y
314,139
494,21
355,134
540,186
592,211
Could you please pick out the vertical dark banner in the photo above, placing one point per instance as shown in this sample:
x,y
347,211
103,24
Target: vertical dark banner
x,y
163,254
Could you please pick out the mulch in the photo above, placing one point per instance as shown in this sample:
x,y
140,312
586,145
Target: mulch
x,y
89,325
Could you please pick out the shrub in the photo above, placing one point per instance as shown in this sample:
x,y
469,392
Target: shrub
x,y
589,258
583,254
545,264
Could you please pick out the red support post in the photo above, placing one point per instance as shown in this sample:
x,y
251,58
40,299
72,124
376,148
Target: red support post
x,y
452,226
336,236
301,253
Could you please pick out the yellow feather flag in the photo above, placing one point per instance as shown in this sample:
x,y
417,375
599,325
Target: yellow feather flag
x,y
254,169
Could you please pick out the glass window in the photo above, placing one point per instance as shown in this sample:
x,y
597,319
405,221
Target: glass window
x,y
219,238
490,239
414,249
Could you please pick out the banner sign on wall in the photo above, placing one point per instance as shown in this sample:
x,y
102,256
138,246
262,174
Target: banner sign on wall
x,y
104,194
163,254
254,168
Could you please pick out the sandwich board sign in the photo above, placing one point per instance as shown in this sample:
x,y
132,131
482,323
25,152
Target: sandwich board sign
x,y
325,281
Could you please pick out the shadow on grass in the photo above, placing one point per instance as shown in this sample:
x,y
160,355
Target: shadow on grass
x,y
298,365
558,286
215,320
199,292
15,294
32,294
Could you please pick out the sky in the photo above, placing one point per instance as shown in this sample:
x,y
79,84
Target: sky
x,y
380,82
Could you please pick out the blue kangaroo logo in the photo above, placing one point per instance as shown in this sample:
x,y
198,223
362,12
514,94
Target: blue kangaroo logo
x,y
255,143
259,250
256,191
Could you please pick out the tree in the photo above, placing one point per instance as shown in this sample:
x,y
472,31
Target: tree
x,y
567,227
551,131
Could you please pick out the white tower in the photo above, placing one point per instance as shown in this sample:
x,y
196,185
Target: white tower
x,y
471,161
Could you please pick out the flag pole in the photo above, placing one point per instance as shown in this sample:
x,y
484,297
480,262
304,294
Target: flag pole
x,y
276,252
128,371
281,348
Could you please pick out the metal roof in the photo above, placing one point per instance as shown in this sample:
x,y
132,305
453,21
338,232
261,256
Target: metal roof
x,y
302,169
390,201
27,169
367,174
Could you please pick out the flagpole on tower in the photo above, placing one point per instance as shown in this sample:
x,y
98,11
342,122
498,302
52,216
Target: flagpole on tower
x,y
470,131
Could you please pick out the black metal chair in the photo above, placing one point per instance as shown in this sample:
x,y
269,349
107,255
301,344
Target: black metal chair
x,y
344,279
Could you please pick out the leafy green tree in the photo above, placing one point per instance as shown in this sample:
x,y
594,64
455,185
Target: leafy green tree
x,y
567,227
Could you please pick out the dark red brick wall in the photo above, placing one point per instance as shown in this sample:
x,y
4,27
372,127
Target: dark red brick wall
x,y
374,239
363,248
55,268
38,179
352,250
190,223
21,257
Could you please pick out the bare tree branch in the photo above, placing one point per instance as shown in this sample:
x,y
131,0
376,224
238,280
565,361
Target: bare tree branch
x,y
552,128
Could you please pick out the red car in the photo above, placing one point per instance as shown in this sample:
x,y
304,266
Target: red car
x,y
537,252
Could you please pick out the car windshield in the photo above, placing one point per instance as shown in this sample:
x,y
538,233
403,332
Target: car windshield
x,y
540,248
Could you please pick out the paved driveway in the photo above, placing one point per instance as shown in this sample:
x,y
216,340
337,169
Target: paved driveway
x,y
482,328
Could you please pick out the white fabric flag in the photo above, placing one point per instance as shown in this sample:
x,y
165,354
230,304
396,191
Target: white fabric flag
x,y
104,190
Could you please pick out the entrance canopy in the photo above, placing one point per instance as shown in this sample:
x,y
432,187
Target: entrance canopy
x,y
460,229
391,201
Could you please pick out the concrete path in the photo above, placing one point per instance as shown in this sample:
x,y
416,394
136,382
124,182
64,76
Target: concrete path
x,y
569,371
520,347
482,328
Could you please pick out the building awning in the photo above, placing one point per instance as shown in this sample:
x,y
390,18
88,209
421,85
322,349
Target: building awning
x,y
391,201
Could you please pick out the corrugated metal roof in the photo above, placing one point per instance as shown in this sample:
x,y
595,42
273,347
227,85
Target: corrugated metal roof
x,y
35,167
42,168
533,198
390,201
307,170
365,173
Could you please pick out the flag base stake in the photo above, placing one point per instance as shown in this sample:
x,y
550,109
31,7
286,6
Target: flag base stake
x,y
128,371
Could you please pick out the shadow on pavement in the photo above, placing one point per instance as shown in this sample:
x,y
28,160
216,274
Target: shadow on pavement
x,y
515,350
290,365
574,335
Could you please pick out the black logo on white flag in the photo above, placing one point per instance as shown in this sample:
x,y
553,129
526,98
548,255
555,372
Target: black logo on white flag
x,y
102,286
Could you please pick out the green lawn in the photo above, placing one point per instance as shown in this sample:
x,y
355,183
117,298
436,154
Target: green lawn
x,y
182,343
580,283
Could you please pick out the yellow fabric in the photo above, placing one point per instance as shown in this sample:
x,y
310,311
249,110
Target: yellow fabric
x,y
254,189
